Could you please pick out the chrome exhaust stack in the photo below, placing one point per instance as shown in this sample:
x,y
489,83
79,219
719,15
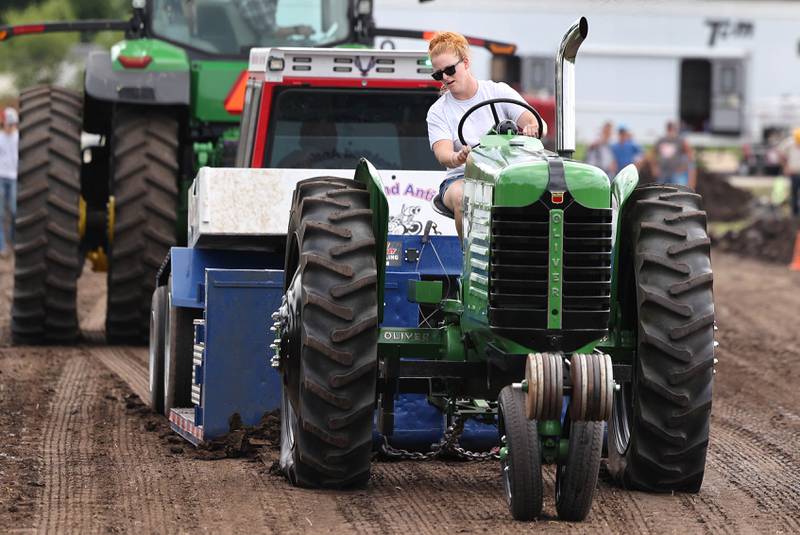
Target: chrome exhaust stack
x,y
565,86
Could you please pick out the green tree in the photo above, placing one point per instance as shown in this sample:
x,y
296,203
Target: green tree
x,y
82,9
100,9
16,5
36,58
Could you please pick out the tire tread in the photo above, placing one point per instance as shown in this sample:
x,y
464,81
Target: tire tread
x,y
337,363
145,187
47,265
672,403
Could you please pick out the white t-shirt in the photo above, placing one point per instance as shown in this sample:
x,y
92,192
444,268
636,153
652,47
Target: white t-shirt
x,y
446,113
9,144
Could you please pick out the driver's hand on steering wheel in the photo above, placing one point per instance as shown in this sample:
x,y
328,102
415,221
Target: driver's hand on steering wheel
x,y
460,157
531,130
304,30
301,29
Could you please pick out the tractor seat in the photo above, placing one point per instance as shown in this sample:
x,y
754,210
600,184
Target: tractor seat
x,y
440,208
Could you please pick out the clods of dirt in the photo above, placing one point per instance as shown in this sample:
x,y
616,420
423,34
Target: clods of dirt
x,y
769,237
244,441
133,402
275,469
721,200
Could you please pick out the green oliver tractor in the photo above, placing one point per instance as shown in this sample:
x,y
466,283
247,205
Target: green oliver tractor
x,y
583,301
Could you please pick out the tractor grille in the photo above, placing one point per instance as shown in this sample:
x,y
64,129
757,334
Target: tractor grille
x,y
518,284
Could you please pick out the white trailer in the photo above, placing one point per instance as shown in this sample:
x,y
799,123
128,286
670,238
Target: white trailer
x,y
726,69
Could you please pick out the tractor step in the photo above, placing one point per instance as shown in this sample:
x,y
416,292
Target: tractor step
x,y
182,422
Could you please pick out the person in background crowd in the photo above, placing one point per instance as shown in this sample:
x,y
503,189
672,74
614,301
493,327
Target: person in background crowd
x,y
9,146
450,58
600,154
626,151
790,153
673,158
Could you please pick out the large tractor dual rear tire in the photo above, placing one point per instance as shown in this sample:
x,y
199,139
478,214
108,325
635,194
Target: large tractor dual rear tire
x,y
329,374
48,261
144,184
46,227
658,433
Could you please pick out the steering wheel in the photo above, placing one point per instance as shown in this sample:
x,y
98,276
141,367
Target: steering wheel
x,y
491,103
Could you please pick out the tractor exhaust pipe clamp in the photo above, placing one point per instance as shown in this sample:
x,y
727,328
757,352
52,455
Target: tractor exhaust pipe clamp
x,y
565,86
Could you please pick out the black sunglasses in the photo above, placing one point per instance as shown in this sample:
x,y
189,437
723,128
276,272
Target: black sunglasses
x,y
449,71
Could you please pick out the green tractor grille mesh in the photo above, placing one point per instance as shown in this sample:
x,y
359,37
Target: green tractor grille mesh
x,y
518,307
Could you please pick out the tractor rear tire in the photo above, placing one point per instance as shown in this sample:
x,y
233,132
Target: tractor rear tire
x,y
145,188
521,470
158,311
46,228
658,432
576,479
330,374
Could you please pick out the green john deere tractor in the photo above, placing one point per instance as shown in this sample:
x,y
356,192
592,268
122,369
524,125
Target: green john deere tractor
x,y
583,300
162,102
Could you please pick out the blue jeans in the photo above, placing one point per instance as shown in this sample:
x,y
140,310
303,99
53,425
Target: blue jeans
x,y
8,201
446,184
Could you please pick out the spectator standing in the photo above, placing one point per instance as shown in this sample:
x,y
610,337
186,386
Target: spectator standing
x,y
9,146
790,153
626,151
673,158
599,153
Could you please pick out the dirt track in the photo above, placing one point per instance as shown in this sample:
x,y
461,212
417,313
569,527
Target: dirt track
x,y
80,453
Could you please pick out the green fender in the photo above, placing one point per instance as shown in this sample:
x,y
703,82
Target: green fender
x,y
623,185
621,188
368,175
165,80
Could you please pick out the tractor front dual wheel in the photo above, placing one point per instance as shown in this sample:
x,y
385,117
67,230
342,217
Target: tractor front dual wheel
x,y
658,433
329,357
576,478
521,467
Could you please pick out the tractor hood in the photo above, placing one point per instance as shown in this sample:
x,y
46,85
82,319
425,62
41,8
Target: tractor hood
x,y
521,171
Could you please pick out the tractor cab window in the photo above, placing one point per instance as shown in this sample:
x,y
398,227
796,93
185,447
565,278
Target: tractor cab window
x,y
333,128
233,27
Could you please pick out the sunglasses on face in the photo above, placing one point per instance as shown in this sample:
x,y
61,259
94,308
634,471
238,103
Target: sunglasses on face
x,y
449,71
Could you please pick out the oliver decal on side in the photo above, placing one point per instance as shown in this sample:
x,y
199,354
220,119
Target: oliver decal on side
x,y
404,335
555,268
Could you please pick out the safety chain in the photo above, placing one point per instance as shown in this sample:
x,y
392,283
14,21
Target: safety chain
x,y
446,447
